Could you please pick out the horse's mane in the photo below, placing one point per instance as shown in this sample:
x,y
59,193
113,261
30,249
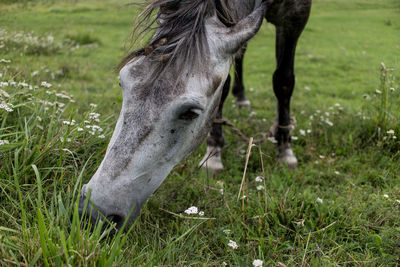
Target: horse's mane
x,y
179,39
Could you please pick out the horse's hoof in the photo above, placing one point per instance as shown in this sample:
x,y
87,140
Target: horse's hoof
x,y
243,103
212,159
288,158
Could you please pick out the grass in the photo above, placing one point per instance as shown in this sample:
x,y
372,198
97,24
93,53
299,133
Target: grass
x,y
340,207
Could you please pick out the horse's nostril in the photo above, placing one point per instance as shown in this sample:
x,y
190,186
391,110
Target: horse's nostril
x,y
117,219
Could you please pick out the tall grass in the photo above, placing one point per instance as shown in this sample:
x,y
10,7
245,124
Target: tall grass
x,y
41,145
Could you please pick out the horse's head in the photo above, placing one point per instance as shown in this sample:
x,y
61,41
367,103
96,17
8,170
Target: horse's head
x,y
165,115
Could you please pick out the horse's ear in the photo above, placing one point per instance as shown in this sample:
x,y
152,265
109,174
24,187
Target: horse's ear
x,y
236,36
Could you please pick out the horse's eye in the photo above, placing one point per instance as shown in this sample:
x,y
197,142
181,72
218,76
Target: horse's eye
x,y
189,115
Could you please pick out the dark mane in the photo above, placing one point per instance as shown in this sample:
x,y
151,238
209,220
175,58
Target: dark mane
x,y
179,39
179,33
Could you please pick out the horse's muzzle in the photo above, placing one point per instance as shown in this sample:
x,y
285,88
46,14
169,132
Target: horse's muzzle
x,y
91,214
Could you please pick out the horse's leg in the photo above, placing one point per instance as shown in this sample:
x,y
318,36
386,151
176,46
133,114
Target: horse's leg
x,y
238,84
215,139
287,34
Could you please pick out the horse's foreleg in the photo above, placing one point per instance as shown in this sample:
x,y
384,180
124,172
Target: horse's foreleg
x,y
215,140
238,84
287,35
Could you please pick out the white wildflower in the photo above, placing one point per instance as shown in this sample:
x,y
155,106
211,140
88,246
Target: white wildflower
x,y
392,89
337,105
192,210
6,106
46,84
59,104
243,197
253,113
300,223
4,142
3,84
62,139
302,132
38,118
233,244
93,105
366,96
94,116
251,89
64,96
258,263
102,136
4,93
221,191
260,187
259,179
69,122
5,60
386,196
201,213
308,131
36,72
378,91
80,129
319,200
321,157
294,138
226,231
23,84
337,173
390,131
329,122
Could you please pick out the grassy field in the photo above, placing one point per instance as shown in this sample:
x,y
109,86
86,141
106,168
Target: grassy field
x,y
59,100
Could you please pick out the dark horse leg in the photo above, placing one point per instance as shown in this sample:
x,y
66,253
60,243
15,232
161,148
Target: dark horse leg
x,y
288,31
215,140
238,84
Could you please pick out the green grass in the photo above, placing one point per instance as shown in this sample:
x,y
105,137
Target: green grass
x,y
352,166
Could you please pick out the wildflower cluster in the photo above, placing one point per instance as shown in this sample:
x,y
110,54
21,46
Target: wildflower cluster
x,y
259,180
4,98
194,210
31,44
384,115
46,101
320,119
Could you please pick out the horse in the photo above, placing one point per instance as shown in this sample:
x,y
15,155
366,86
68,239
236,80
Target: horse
x,y
173,89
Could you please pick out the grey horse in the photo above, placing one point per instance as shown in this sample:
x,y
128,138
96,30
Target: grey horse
x,y
173,89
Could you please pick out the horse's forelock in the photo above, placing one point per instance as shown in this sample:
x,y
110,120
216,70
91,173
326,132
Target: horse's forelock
x,y
180,40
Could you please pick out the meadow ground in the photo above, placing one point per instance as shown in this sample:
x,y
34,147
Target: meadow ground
x,y
341,206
